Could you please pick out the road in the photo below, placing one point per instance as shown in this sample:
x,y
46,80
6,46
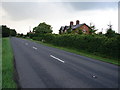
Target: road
x,y
40,66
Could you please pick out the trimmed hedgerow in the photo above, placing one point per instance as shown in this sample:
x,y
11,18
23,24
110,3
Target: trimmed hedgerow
x,y
96,44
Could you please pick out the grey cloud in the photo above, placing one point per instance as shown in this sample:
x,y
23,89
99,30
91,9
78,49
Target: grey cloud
x,y
93,5
16,10
33,10
26,10
22,10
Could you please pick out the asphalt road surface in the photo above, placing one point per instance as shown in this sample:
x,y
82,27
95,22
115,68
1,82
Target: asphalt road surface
x,y
41,66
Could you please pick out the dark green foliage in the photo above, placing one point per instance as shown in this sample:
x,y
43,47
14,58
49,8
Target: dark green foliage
x,y
110,33
37,38
6,32
42,28
102,45
27,34
20,35
92,29
31,35
99,45
13,32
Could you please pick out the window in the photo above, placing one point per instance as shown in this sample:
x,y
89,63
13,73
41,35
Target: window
x,y
84,31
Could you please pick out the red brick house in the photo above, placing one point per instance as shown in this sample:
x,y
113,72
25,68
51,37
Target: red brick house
x,y
75,28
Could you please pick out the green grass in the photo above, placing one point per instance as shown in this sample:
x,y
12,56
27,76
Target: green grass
x,y
7,64
83,53
0,62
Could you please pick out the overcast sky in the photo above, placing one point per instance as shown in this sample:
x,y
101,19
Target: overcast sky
x,y
24,16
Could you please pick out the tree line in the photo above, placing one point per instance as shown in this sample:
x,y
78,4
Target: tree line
x,y
6,32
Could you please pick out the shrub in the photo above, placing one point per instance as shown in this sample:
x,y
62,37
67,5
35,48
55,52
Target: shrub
x,y
96,44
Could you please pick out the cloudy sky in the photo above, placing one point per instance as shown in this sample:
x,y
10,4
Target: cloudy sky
x,y
24,16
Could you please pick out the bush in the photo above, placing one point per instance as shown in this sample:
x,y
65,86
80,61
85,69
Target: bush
x,y
96,44
37,38
104,46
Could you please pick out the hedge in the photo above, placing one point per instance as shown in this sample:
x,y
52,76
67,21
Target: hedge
x,y
96,44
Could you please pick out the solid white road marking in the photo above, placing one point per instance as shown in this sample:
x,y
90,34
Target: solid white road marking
x,y
57,58
34,48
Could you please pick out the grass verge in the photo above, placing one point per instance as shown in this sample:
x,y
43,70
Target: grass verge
x,y
0,62
7,64
83,53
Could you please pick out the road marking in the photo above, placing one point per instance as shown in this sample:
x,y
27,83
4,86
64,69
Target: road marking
x,y
35,48
57,58
26,43
94,76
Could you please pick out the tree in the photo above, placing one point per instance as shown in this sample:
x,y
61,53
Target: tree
x,y
93,29
5,31
31,35
27,34
42,28
13,32
110,33
21,35
34,29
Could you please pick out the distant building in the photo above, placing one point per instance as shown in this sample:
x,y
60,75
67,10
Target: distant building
x,y
75,28
30,32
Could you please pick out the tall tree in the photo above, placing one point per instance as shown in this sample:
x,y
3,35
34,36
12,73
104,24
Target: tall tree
x,y
5,31
43,28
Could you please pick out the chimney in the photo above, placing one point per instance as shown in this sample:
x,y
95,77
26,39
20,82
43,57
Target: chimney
x,y
71,23
77,22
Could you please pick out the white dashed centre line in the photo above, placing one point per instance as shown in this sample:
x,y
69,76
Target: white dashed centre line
x,y
35,48
26,43
57,58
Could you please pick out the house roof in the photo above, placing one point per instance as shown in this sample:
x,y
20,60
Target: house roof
x,y
76,26
73,26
